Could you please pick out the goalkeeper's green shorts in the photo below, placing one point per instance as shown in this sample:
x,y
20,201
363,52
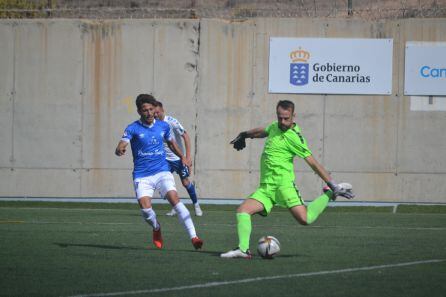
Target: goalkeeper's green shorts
x,y
284,195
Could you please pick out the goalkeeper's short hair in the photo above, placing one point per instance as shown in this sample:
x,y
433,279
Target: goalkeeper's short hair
x,y
286,104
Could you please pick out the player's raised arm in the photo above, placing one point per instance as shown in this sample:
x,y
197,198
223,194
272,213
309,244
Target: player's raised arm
x,y
121,148
240,143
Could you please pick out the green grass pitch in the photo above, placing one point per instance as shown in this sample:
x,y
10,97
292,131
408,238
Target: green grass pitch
x,y
68,249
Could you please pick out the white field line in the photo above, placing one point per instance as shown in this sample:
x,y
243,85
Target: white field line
x,y
68,208
228,225
379,227
10,221
136,209
336,227
259,279
78,223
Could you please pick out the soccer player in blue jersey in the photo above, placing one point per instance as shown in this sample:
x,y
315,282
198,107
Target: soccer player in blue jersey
x,y
176,165
151,171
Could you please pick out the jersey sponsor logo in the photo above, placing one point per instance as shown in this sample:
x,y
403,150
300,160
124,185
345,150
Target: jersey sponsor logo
x,y
299,67
155,153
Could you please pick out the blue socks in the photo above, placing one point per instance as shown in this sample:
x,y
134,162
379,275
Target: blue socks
x,y
191,190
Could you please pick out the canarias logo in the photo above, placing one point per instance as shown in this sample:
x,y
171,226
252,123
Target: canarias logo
x,y
299,67
322,72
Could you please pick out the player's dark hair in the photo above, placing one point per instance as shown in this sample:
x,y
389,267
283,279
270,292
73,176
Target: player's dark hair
x,y
286,104
145,98
158,103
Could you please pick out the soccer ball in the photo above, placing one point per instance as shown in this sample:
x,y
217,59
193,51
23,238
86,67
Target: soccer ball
x,y
268,246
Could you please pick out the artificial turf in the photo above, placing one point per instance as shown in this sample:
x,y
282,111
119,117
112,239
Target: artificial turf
x,y
69,249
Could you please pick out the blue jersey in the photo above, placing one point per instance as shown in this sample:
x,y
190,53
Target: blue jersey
x,y
149,157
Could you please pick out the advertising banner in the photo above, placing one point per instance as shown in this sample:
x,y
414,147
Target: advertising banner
x,y
425,68
330,66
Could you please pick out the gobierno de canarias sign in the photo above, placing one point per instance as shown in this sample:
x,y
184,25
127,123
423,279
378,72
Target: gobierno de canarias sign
x,y
330,66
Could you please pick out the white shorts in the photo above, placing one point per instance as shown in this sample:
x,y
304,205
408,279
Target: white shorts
x,y
146,186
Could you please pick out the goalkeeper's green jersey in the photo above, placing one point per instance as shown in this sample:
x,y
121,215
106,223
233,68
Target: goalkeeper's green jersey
x,y
276,163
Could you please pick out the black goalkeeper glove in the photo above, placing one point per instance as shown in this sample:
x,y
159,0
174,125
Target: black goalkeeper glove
x,y
239,142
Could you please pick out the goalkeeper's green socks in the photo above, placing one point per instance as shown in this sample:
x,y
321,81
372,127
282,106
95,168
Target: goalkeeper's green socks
x,y
244,226
244,230
316,207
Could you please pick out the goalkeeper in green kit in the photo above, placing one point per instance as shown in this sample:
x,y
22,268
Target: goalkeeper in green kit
x,y
284,142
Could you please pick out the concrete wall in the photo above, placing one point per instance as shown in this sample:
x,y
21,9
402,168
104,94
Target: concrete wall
x,y
67,90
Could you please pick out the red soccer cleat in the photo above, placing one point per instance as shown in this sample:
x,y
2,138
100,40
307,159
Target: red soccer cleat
x,y
197,243
157,238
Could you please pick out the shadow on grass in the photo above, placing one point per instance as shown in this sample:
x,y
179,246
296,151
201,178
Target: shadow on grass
x,y
98,246
254,258
212,253
114,247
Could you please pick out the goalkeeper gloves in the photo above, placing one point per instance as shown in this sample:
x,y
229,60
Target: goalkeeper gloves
x,y
343,189
239,142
